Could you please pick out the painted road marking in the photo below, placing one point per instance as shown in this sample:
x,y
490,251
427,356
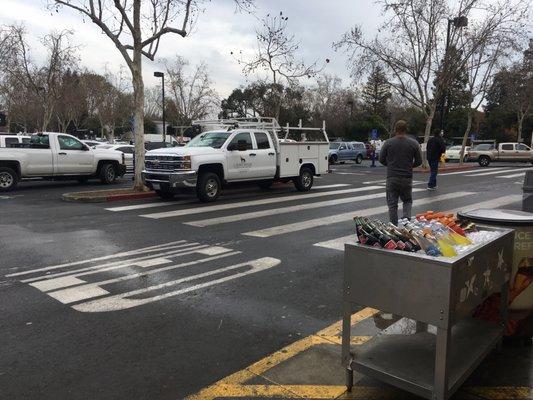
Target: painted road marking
x,y
470,171
270,200
332,219
500,172
185,249
338,243
107,294
237,385
121,302
282,210
108,257
148,205
512,175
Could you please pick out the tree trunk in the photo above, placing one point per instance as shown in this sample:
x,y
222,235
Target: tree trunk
x,y
427,132
465,136
520,126
138,125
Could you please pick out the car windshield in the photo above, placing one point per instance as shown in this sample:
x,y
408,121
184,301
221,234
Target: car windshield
x,y
334,146
209,139
455,148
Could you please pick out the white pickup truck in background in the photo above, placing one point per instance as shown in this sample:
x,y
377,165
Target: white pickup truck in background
x,y
58,156
238,150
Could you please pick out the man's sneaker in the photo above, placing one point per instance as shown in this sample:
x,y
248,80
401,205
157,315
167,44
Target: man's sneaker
x,y
432,188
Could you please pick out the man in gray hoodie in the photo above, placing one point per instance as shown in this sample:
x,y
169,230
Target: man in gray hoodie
x,y
400,154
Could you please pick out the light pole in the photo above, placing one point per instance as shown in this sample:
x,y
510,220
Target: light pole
x,y
458,22
161,75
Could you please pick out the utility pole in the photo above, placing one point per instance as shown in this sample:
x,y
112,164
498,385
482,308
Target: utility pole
x,y
161,75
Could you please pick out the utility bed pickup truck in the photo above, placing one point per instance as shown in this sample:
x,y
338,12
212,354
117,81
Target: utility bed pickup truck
x,y
58,156
238,150
508,152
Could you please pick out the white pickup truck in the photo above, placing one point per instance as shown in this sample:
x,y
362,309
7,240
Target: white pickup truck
x,y
238,150
58,156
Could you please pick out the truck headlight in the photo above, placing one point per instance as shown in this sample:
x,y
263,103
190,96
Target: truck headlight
x,y
186,162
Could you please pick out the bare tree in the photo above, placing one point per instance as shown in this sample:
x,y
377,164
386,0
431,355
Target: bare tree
x,y
136,28
152,102
191,95
276,54
70,104
490,41
44,82
116,103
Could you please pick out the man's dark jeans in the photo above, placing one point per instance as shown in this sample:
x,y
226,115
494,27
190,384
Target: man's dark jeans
x,y
434,168
399,188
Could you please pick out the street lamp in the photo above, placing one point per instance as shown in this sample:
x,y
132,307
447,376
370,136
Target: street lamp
x,y
161,75
457,22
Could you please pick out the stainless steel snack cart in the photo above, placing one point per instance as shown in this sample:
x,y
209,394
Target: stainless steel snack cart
x,y
439,291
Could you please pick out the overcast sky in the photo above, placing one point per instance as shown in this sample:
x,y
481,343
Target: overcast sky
x,y
218,31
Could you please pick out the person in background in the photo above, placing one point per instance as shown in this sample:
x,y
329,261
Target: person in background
x,y
400,154
435,149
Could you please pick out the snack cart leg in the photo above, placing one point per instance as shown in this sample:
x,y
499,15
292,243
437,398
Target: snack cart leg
x,y
441,364
346,336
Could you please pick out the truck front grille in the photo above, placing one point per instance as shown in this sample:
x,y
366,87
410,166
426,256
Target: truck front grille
x,y
166,163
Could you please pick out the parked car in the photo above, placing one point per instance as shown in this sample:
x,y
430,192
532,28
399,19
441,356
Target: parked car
x,y
127,149
343,151
247,150
93,143
484,154
58,156
10,140
453,153
360,150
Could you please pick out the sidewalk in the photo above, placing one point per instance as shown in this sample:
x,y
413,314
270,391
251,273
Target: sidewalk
x,y
311,369
100,196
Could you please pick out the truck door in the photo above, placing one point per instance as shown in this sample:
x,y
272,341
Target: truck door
x,y
238,157
507,152
73,157
264,161
524,153
40,161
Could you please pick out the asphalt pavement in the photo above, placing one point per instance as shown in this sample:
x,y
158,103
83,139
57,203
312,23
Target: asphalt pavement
x,y
156,299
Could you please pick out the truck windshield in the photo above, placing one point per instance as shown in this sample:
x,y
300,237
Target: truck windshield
x,y
209,139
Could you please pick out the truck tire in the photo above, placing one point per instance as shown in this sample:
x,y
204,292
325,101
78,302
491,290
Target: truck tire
x,y
208,187
8,179
108,173
484,161
165,193
359,159
333,159
304,182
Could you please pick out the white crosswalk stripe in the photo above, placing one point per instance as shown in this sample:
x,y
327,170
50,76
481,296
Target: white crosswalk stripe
x,y
283,210
332,219
269,200
471,171
338,243
500,171
513,175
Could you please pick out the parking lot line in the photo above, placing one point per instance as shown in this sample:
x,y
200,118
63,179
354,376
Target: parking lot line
x,y
332,219
512,175
470,171
270,200
500,172
148,205
282,210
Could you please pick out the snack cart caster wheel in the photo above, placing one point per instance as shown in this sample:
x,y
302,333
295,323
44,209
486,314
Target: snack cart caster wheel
x,y
349,380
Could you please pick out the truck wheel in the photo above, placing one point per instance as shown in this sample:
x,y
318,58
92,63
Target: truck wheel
x,y
484,161
108,173
8,179
305,181
265,184
359,159
208,187
165,194
333,159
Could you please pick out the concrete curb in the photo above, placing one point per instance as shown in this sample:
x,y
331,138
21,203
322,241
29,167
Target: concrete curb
x,y
80,197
